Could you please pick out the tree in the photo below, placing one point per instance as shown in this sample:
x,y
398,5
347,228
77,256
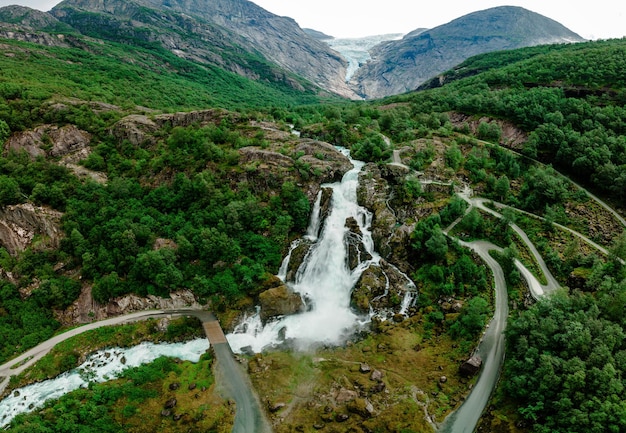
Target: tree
x,y
9,191
5,132
489,132
453,157
472,319
502,187
437,245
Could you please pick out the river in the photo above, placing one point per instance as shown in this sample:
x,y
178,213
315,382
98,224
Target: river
x,y
100,366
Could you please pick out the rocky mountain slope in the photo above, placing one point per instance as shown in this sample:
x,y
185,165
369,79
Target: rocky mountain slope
x,y
227,33
237,36
400,66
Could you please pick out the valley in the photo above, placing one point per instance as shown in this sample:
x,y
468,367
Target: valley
x,y
388,248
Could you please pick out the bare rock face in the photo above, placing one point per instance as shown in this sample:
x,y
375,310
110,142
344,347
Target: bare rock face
x,y
220,33
297,258
403,65
20,223
49,140
353,239
135,128
86,310
139,129
372,193
279,301
67,143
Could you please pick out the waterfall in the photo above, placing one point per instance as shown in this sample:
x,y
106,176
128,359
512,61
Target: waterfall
x,y
324,280
314,226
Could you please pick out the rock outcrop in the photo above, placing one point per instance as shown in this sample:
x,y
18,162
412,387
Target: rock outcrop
x,y
86,310
67,144
298,254
279,301
353,239
381,288
19,224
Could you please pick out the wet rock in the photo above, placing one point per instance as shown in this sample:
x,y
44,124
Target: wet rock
x,y
298,254
247,350
381,287
123,360
356,251
471,366
325,202
16,393
280,301
282,334
369,287
170,404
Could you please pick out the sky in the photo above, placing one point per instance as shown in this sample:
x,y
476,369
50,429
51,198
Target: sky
x,y
599,19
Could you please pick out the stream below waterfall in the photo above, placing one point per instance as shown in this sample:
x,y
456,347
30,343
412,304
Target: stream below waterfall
x,y
324,279
99,367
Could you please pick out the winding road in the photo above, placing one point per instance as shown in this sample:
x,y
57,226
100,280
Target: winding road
x,y
233,380
490,350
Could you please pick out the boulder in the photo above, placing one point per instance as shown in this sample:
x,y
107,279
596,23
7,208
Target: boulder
x,y
472,366
345,395
356,251
376,376
279,301
298,255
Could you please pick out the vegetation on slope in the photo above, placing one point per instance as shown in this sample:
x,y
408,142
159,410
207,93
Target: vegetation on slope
x,y
230,235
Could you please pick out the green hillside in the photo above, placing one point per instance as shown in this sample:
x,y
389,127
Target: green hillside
x,y
126,76
209,202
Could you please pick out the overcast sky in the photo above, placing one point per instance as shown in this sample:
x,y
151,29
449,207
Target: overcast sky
x,y
353,18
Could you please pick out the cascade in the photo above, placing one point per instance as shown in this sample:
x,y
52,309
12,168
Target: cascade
x,y
324,280
100,366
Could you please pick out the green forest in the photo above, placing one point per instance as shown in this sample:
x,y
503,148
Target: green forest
x,y
227,224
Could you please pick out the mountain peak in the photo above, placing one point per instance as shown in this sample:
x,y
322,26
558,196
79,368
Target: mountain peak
x,y
421,55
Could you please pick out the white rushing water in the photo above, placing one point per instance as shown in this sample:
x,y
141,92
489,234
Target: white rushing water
x,y
324,280
99,367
